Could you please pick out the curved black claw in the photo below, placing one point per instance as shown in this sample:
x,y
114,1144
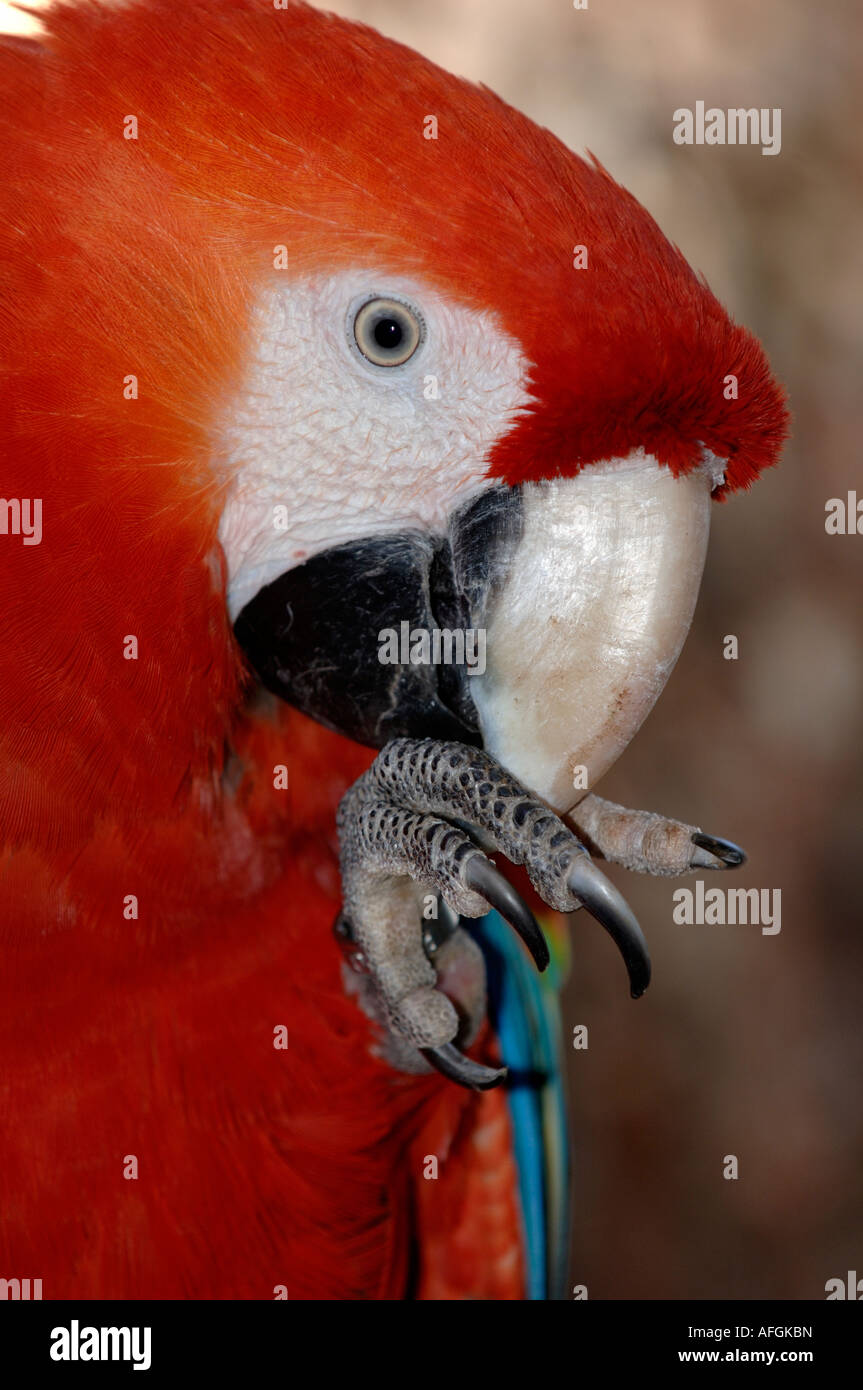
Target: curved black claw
x,y
731,855
612,911
483,878
456,1067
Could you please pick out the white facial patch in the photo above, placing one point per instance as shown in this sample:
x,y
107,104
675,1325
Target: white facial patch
x,y
323,447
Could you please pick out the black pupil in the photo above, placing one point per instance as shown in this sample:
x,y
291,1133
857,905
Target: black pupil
x,y
388,333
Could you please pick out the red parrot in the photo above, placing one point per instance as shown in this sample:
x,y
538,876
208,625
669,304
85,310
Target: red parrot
x,y
359,443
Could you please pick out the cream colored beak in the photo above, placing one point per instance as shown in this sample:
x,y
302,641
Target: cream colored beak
x,y
585,631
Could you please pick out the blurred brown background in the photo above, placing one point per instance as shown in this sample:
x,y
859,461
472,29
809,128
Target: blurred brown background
x,y
745,1044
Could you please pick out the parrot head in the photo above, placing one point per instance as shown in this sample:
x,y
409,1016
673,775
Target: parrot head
x,y
484,411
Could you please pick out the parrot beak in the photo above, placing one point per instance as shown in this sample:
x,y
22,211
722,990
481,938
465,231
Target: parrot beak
x,y
584,631
542,627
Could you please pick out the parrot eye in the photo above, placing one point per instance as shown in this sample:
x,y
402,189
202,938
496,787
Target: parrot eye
x,y
388,332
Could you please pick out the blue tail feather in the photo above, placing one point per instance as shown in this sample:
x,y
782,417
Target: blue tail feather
x,y
524,1011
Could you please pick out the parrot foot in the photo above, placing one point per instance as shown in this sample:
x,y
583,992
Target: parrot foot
x,y
648,843
415,826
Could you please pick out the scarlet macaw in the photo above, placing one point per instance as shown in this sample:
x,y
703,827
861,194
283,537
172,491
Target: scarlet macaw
x,y
310,348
